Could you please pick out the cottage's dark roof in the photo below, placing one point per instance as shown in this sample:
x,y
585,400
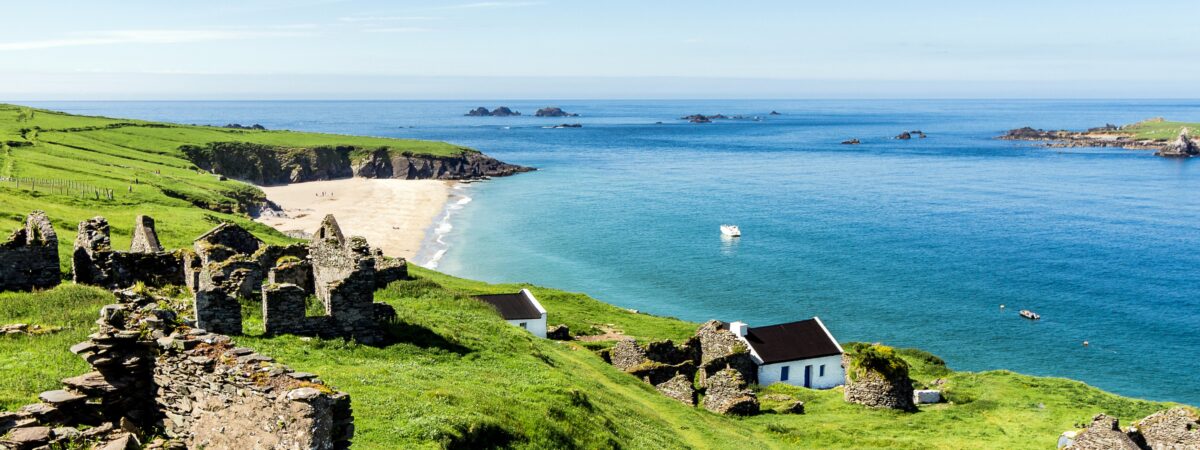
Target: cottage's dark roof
x,y
512,306
791,341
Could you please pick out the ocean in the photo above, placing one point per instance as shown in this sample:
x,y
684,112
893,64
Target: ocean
x,y
912,243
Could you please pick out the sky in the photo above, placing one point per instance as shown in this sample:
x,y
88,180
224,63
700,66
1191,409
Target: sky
x,y
510,49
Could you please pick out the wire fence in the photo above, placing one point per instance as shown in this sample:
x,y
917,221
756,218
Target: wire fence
x,y
63,187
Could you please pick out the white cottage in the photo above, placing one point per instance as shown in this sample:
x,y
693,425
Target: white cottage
x,y
521,309
800,353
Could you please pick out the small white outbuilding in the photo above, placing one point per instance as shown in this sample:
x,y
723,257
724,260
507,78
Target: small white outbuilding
x,y
521,309
800,353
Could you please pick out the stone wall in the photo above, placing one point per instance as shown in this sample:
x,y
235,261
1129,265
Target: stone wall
x,y
876,389
344,278
95,262
29,258
152,373
713,358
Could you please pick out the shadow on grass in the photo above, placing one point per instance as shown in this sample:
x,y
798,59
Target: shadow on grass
x,y
408,333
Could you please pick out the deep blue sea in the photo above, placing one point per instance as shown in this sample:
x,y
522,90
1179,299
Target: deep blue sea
x,y
912,243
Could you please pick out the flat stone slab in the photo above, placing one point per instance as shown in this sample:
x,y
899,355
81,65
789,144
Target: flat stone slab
x,y
60,396
29,437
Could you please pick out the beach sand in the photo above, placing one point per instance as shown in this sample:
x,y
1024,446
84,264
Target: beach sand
x,y
392,214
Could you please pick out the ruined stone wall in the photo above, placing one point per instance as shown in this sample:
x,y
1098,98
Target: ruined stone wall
x,y
95,262
29,258
151,373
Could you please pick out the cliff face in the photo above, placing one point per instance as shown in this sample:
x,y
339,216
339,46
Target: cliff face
x,y
267,165
385,164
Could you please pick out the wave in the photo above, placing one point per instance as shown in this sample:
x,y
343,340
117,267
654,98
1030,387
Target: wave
x,y
434,246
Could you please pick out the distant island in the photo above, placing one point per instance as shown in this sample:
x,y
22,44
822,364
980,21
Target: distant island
x,y
502,111
1166,138
553,111
701,118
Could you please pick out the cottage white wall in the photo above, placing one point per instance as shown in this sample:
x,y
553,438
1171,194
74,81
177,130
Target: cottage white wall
x,y
835,375
535,326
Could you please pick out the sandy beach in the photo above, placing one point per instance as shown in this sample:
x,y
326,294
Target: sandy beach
x,y
392,214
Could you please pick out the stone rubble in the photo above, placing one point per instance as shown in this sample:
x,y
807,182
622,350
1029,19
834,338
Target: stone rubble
x,y
149,371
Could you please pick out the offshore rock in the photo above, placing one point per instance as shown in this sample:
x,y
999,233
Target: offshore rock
x,y
553,111
1183,146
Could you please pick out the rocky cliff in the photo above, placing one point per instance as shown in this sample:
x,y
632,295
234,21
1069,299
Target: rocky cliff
x,y
268,165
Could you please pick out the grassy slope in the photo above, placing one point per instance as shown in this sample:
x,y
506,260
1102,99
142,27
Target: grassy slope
x,y
1160,129
460,373
115,158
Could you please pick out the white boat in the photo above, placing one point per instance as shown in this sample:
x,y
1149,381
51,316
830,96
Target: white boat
x,y
731,230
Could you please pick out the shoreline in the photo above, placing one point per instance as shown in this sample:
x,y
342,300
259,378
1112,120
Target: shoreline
x,y
395,215
433,247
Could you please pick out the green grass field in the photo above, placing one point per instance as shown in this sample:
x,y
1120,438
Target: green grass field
x,y
141,164
459,376
1159,129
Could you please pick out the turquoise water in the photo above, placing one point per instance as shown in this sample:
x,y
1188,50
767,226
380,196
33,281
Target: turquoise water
x,y
913,243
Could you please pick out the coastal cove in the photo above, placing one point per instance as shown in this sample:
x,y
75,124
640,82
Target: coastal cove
x,y
912,243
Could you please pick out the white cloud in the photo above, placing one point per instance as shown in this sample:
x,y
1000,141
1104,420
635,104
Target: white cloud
x,y
117,37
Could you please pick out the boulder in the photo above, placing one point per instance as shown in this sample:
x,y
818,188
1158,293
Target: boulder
x,y
1183,146
726,393
1103,434
924,396
1171,429
853,141
904,136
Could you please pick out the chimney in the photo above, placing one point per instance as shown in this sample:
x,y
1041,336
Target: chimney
x,y
739,328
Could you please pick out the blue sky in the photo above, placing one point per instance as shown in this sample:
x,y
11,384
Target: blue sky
x,y
305,49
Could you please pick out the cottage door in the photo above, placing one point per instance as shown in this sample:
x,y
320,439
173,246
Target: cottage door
x,y
808,376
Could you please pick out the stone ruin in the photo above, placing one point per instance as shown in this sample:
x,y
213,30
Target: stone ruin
x,y
95,262
152,374
1172,429
343,273
29,258
714,359
867,385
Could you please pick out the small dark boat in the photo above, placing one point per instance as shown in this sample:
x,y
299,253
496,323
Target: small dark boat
x,y
1030,314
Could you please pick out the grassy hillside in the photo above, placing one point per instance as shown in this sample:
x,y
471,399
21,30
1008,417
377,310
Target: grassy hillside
x,y
460,377
73,158
1160,129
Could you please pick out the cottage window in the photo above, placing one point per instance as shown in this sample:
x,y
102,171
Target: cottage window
x,y
523,325
783,373
822,370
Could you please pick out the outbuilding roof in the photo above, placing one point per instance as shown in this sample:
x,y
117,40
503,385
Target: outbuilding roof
x,y
518,306
792,341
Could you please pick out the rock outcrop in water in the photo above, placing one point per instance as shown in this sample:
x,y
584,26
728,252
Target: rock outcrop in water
x,y
268,165
502,111
553,111
1183,146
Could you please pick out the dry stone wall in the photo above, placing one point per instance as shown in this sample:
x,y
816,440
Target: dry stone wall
x,y
29,258
95,262
152,372
713,358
